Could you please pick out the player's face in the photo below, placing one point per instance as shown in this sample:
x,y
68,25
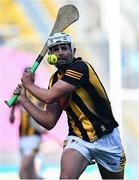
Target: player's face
x,y
63,51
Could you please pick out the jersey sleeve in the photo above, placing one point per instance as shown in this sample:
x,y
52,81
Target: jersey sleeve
x,y
76,74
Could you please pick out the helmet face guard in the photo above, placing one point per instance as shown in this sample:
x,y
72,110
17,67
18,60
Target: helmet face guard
x,y
59,39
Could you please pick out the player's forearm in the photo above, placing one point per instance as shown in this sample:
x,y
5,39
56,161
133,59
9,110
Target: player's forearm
x,y
39,115
39,93
52,95
45,95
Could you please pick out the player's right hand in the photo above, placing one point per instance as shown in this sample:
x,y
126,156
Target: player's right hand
x,y
20,90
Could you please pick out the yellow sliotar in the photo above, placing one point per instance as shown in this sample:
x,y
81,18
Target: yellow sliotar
x,y
52,59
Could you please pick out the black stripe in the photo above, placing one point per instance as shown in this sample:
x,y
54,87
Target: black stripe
x,y
94,120
20,130
102,106
37,132
39,58
107,120
55,78
78,124
71,132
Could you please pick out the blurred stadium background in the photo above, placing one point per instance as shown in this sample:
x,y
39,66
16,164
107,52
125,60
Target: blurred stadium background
x,y
106,35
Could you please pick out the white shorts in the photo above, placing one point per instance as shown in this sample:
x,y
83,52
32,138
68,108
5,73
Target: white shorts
x,y
29,144
107,151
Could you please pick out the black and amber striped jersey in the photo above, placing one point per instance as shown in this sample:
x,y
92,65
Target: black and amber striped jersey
x,y
27,127
89,110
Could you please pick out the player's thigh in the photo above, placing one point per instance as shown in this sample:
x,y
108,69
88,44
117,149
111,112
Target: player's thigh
x,y
73,163
106,174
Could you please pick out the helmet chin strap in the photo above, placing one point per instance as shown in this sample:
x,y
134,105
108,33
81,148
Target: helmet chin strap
x,y
62,67
64,62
